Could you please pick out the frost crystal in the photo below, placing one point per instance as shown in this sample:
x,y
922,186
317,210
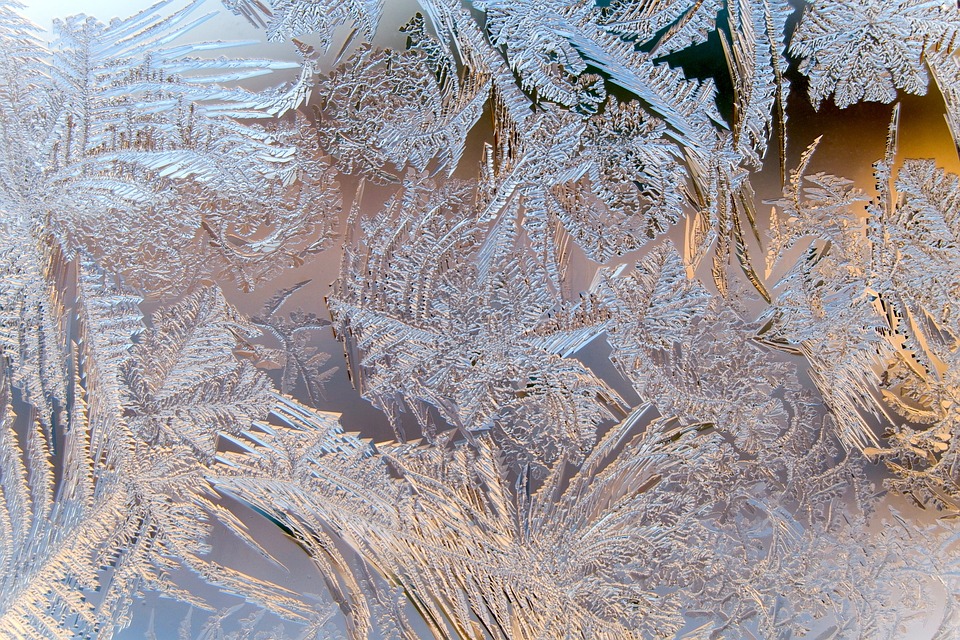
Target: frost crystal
x,y
565,382
866,49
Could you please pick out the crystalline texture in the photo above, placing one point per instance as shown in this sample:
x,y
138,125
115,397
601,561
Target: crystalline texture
x,y
605,418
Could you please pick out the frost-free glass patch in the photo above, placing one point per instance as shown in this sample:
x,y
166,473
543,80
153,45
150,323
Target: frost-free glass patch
x,y
445,319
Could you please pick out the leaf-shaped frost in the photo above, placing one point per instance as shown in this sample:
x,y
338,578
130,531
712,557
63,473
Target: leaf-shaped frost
x,y
405,114
539,504
67,503
297,358
443,323
321,18
757,66
476,557
126,141
683,22
184,382
659,525
946,72
683,351
872,307
539,50
45,551
624,186
866,49
754,51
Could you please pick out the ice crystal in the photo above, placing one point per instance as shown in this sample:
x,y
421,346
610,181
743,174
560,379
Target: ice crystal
x,y
125,140
865,49
449,280
886,284
298,360
604,414
289,18
408,113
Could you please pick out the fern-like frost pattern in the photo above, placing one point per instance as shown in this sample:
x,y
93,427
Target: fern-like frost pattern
x,y
469,326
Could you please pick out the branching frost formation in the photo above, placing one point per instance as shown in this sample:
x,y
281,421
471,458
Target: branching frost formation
x,y
611,418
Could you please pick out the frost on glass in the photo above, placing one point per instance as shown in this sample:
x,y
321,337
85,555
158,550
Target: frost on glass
x,y
473,322
446,330
865,50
